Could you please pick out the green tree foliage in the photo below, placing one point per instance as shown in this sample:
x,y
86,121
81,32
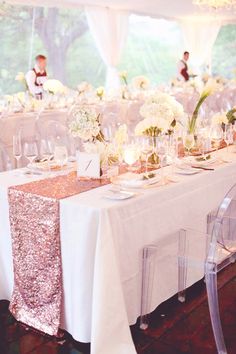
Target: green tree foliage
x,y
224,52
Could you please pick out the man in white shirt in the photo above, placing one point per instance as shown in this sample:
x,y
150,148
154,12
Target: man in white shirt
x,y
36,77
183,74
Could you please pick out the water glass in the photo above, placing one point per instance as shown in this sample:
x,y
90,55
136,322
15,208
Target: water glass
x,y
61,155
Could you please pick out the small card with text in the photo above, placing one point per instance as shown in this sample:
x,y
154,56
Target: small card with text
x,y
88,165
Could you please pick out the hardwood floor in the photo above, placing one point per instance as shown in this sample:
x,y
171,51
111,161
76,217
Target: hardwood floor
x,y
174,328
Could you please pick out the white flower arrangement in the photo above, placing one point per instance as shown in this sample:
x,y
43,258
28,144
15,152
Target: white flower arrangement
x,y
161,111
21,78
85,124
220,118
141,82
84,87
54,87
210,87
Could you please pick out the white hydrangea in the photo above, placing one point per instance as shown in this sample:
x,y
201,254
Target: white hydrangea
x,y
141,82
85,123
54,87
159,111
146,124
84,86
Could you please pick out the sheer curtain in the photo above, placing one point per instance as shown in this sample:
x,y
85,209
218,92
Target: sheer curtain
x,y
109,28
200,36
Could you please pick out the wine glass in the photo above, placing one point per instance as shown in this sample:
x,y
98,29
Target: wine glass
x,y
146,149
228,135
30,151
216,135
172,152
161,148
46,151
17,148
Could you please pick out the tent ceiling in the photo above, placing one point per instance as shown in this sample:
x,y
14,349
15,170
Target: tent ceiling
x,y
170,9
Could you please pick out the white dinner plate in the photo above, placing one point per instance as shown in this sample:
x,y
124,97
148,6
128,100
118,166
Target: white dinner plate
x,y
132,180
187,171
44,167
118,195
205,163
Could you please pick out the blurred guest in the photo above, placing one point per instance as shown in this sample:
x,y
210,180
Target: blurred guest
x,y
183,74
36,77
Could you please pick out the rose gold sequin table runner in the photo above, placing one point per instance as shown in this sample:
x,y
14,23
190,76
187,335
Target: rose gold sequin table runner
x,y
35,230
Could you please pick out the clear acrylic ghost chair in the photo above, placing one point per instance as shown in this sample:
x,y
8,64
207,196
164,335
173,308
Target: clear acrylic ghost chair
x,y
196,255
55,133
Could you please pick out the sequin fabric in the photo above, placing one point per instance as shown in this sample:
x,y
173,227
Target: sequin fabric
x,y
35,230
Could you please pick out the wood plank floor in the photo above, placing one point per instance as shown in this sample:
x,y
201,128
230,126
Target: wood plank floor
x,y
174,328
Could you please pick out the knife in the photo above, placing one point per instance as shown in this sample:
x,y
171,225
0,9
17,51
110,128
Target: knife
x,y
204,168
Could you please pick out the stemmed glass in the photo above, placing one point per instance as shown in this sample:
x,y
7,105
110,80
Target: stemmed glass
x,y
147,150
161,148
216,135
17,148
172,152
30,151
228,135
46,151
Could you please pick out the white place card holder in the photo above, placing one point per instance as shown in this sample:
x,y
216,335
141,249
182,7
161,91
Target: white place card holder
x,y
88,165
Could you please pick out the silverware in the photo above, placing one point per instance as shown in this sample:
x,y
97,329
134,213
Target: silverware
x,y
204,168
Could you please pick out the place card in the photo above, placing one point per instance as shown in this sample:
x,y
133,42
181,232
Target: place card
x,y
88,165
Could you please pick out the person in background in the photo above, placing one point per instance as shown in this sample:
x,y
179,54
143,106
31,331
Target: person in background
x,y
183,67
36,77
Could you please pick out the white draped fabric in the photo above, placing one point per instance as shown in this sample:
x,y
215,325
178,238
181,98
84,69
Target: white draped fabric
x,y
109,28
200,37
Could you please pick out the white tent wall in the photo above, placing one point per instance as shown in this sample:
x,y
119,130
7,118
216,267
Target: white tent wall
x,y
109,28
108,23
168,9
200,36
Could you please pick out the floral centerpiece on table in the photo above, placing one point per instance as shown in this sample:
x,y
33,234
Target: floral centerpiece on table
x,y
21,78
210,88
54,87
84,87
85,125
140,82
161,112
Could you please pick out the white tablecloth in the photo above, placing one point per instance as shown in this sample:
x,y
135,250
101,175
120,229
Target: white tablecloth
x,y
102,242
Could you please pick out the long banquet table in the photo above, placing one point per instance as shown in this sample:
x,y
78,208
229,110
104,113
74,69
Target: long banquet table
x,y
101,245
111,112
